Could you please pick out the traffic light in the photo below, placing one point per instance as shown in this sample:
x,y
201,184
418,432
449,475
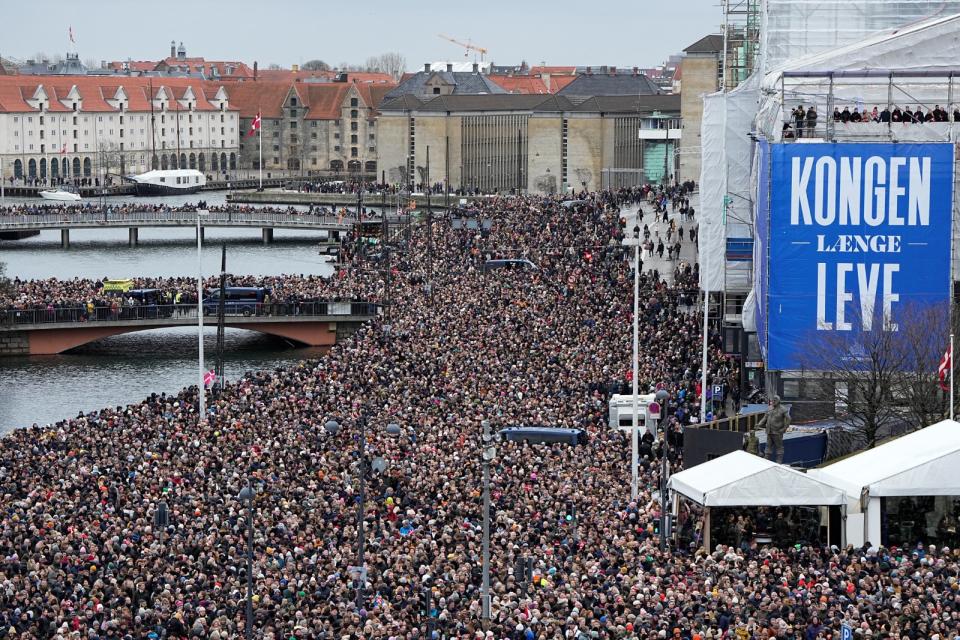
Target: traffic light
x,y
571,511
426,602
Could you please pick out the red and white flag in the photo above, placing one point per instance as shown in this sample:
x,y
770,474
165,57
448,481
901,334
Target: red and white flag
x,y
209,378
255,125
63,150
70,31
943,371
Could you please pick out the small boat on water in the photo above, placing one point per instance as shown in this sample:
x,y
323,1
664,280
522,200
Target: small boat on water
x,y
165,182
64,193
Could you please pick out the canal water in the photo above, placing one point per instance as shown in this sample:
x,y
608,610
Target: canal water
x,y
127,368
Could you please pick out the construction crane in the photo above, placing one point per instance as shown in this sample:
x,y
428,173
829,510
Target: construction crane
x,y
466,45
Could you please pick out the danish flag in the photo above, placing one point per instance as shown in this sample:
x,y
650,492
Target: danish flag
x,y
70,32
943,371
255,125
209,378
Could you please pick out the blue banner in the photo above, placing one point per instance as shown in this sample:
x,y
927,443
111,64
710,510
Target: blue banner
x,y
857,232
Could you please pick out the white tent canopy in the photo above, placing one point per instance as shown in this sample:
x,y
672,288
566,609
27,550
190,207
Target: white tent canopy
x,y
922,463
743,479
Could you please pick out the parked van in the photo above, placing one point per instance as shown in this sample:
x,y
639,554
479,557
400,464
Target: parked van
x,y
246,301
545,435
620,414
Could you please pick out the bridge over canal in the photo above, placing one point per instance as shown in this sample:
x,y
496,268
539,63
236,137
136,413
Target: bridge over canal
x,y
50,331
134,220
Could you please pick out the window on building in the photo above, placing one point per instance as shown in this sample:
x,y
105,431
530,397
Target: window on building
x,y
313,123
436,91
293,113
371,136
276,160
293,125
353,139
354,113
353,152
293,101
276,134
353,126
276,147
354,102
313,135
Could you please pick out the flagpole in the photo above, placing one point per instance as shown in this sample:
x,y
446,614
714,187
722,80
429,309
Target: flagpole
x,y
951,376
260,140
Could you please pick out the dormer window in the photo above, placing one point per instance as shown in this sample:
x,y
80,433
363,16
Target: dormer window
x,y
75,106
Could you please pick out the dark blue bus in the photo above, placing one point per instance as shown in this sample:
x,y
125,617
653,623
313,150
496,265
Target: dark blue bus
x,y
245,301
545,435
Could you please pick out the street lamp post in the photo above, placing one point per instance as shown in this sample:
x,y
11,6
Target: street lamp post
x,y
200,367
489,454
361,506
246,497
634,436
662,397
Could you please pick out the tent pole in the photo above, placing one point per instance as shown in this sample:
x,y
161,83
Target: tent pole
x,y
706,529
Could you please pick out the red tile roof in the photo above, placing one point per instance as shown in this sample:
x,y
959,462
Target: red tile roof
x,y
559,82
95,91
565,71
263,97
209,68
521,84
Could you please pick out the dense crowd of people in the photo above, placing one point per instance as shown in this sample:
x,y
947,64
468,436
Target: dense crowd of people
x,y
120,209
81,555
88,300
803,119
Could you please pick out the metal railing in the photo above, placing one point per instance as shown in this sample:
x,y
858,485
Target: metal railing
x,y
181,313
171,218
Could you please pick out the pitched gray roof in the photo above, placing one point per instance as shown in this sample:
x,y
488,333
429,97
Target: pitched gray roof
x,y
630,104
497,102
707,44
464,83
536,103
401,103
610,84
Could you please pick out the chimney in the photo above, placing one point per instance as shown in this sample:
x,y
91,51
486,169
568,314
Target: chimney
x,y
613,71
636,71
254,70
173,49
449,67
476,67
426,67
589,71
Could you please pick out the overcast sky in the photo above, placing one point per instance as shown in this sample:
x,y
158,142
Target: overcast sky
x,y
624,33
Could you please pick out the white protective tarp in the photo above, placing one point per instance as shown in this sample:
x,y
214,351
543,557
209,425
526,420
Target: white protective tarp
x,y
795,28
922,463
923,47
741,479
727,150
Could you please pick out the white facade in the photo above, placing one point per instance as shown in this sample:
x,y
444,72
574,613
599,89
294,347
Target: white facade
x,y
110,138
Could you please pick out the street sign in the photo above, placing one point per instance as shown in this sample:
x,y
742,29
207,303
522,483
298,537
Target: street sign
x,y
846,633
717,390
653,410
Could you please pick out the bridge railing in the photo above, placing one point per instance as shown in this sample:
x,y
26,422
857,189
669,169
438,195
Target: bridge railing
x,y
16,318
174,218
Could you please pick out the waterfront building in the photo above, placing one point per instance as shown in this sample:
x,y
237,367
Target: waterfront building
x,y
537,143
311,127
80,126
